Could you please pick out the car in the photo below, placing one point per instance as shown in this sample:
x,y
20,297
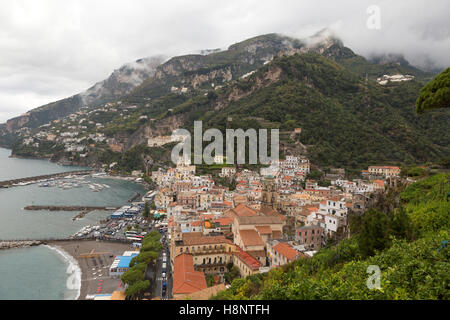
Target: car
x,y
164,275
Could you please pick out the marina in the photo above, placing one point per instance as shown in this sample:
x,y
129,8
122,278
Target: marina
x,y
42,179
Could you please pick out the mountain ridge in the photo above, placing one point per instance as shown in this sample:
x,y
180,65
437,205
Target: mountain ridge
x,y
244,52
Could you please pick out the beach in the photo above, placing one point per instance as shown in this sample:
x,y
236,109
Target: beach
x,y
89,263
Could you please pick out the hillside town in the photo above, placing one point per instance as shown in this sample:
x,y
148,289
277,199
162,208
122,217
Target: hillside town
x,y
271,218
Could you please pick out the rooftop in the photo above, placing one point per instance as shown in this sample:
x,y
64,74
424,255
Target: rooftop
x,y
185,279
286,250
251,238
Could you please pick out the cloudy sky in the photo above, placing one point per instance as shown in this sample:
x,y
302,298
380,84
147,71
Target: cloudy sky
x,y
52,49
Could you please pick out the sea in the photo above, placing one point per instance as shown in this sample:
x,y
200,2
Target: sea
x,y
43,272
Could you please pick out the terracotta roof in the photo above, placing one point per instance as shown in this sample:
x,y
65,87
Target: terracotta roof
x,y
243,211
379,182
257,253
269,212
188,235
286,250
185,279
197,223
264,229
247,259
277,235
259,220
334,198
224,221
250,238
192,241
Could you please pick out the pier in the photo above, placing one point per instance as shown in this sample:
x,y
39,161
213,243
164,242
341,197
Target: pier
x,y
15,182
69,208
24,243
84,209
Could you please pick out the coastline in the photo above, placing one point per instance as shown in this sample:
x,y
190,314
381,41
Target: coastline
x,y
88,265
95,168
73,268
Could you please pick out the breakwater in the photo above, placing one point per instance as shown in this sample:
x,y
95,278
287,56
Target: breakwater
x,y
5,245
69,208
16,182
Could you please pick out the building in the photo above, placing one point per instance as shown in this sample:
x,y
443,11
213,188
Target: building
x,y
245,262
281,253
310,236
386,171
121,264
186,280
210,254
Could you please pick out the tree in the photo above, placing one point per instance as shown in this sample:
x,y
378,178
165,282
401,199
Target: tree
x,y
132,276
315,175
137,289
146,213
233,273
210,281
374,235
435,94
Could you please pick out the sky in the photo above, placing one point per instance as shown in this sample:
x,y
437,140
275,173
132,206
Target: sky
x,y
53,49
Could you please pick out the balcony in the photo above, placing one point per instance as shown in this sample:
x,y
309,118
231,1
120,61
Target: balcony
x,y
207,251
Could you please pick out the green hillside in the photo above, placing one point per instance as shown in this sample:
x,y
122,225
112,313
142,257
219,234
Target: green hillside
x,y
407,245
346,120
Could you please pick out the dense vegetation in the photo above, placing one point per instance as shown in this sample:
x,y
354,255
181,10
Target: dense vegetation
x,y
345,120
135,277
436,94
407,243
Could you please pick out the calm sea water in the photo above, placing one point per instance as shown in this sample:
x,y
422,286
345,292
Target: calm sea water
x,y
39,272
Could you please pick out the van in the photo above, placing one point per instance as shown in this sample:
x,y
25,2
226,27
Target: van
x,y
164,267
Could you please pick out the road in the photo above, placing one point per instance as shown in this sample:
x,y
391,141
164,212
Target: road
x,y
158,289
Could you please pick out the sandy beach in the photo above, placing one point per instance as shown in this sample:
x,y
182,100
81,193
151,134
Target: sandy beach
x,y
94,259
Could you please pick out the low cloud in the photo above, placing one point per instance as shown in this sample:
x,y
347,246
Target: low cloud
x,y
50,49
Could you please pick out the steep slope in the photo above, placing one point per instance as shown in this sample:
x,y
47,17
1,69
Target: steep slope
x,y
412,267
272,81
345,120
121,82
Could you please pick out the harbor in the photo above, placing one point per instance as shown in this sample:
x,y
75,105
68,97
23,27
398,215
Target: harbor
x,y
43,178
61,197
